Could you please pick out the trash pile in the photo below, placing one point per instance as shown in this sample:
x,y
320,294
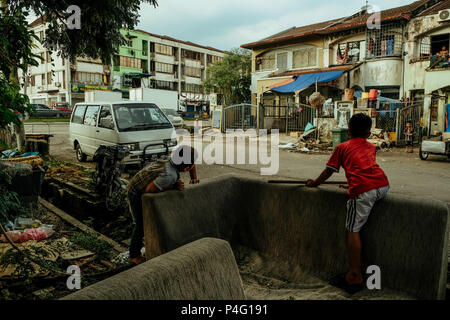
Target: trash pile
x,y
14,156
26,229
380,139
311,142
308,143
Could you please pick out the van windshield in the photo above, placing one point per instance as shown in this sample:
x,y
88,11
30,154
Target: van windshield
x,y
138,117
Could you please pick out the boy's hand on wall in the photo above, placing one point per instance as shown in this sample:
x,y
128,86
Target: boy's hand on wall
x,y
194,181
311,183
179,185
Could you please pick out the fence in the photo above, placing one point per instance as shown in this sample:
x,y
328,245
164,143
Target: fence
x,y
240,116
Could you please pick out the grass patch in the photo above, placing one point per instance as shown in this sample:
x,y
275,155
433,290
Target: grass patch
x,y
101,248
47,120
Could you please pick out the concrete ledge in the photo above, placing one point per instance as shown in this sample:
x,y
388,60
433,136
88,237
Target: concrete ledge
x,y
406,238
202,270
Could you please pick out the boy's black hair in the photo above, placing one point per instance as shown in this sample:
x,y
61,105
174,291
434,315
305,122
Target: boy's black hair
x,y
360,125
409,121
183,157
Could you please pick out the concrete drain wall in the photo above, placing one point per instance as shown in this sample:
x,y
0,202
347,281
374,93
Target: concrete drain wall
x,y
202,270
304,228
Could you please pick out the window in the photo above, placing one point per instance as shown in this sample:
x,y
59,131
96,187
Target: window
x,y
384,42
348,52
438,42
49,57
163,67
304,58
193,55
282,61
130,62
130,117
193,88
33,81
41,36
106,120
129,43
144,47
42,79
163,49
88,77
160,84
64,79
90,118
49,78
193,72
425,47
265,62
78,114
213,59
42,54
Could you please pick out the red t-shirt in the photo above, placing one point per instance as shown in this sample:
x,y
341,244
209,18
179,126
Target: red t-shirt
x,y
357,157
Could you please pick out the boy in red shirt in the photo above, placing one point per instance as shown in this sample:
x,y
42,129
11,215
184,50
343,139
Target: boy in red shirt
x,y
367,183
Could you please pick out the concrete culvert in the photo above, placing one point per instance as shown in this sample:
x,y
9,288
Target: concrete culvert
x,y
294,238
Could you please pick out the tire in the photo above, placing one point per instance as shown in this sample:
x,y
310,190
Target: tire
x,y
81,157
423,155
114,196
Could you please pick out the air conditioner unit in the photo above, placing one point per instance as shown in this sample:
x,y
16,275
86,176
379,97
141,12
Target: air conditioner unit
x,y
57,84
444,15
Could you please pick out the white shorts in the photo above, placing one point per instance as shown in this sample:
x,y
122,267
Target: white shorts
x,y
359,208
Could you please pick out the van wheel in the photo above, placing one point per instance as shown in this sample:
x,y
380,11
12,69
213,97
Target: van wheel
x,y
80,155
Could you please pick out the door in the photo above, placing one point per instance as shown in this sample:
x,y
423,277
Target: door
x,y
106,133
89,129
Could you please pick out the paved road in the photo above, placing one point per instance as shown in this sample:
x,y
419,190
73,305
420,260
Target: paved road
x,y
407,173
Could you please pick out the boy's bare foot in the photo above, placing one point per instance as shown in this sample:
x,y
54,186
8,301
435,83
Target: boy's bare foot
x,y
138,260
353,279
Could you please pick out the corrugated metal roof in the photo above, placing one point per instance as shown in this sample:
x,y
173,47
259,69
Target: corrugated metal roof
x,y
355,21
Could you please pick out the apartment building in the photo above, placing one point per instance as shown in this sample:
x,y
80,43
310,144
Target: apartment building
x,y
346,53
58,79
162,62
146,60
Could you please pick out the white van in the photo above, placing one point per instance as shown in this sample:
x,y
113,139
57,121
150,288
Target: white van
x,y
135,125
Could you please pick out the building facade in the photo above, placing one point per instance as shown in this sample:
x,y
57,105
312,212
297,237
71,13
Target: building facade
x,y
58,79
375,57
162,62
146,60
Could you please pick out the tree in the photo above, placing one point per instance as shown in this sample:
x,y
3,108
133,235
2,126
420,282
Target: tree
x,y
98,37
231,77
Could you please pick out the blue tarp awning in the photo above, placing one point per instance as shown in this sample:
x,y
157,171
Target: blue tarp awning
x,y
305,80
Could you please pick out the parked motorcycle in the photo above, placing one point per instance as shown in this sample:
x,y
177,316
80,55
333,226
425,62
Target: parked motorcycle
x,y
107,176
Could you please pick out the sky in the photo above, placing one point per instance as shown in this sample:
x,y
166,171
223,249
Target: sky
x,y
226,24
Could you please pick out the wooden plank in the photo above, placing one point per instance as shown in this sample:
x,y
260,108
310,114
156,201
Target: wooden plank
x,y
76,223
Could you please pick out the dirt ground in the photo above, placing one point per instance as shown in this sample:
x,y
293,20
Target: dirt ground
x,y
408,175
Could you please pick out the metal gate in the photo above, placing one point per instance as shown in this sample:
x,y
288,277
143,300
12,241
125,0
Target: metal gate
x,y
297,117
240,116
411,113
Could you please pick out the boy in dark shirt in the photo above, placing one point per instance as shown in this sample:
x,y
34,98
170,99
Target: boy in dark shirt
x,y
157,177
367,184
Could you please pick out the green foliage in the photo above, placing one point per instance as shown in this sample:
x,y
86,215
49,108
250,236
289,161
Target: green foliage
x,y
9,202
101,248
99,37
231,77
26,267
